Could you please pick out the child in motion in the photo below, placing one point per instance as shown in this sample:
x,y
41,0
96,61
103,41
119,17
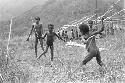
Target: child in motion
x,y
38,29
50,39
89,40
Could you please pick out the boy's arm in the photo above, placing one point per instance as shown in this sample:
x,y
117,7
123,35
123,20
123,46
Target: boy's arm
x,y
102,29
59,37
41,28
83,40
44,35
30,33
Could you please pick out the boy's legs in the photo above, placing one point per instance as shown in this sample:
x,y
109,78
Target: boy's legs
x,y
44,51
98,58
51,49
41,43
88,58
36,42
103,68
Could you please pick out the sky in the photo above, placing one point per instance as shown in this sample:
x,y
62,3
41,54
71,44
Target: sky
x,y
10,8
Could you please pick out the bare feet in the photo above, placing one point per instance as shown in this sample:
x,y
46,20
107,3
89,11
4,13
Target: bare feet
x,y
82,66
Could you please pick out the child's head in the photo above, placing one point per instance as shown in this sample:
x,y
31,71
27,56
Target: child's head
x,y
50,27
90,22
37,19
84,29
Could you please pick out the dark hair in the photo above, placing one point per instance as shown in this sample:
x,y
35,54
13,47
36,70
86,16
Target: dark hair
x,y
37,18
50,25
84,28
90,22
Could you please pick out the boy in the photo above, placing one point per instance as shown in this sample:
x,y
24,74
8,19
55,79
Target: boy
x,y
58,33
93,50
65,36
76,34
38,29
72,32
90,22
50,39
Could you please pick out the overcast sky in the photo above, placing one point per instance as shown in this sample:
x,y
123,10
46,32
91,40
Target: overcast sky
x,y
10,8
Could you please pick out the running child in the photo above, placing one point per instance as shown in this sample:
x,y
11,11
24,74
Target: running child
x,y
50,39
93,50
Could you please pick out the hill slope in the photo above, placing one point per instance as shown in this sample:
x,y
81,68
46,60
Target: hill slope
x,y
58,12
9,8
26,69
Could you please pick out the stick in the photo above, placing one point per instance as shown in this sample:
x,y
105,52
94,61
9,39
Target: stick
x,y
7,56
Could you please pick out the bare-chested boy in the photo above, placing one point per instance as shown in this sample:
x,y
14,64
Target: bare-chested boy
x,y
50,39
38,29
93,50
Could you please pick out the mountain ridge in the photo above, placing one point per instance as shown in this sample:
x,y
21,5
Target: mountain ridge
x,y
59,13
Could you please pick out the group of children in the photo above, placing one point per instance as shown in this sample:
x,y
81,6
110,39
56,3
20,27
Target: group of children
x,y
86,32
38,29
69,35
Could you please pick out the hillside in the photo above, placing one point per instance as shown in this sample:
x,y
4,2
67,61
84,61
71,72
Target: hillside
x,y
58,12
25,68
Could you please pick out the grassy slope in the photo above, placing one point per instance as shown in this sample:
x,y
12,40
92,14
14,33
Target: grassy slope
x,y
58,12
27,68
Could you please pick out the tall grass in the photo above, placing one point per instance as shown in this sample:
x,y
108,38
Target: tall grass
x,y
24,68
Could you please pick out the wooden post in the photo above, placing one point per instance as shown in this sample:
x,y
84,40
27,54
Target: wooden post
x,y
7,55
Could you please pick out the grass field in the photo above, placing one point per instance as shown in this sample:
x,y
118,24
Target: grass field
x,y
24,68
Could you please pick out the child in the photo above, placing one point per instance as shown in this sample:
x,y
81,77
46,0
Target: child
x,y
72,32
58,33
65,36
90,22
93,50
76,34
38,29
50,39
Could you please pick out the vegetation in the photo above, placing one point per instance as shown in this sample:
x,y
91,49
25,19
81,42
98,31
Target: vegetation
x,y
58,12
23,66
